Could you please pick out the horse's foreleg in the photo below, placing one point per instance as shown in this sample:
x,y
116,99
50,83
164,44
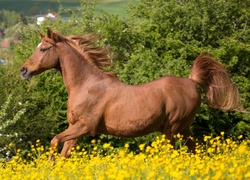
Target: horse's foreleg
x,y
67,147
69,136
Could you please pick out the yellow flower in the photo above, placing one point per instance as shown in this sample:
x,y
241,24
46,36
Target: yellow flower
x,y
126,145
77,147
207,138
178,136
141,146
106,145
241,149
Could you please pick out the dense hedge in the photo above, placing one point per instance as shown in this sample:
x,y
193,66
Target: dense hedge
x,y
157,38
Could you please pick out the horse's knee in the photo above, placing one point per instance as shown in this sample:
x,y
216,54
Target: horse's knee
x,y
53,145
54,142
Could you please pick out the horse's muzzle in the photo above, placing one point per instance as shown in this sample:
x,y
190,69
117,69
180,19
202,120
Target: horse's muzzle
x,y
25,74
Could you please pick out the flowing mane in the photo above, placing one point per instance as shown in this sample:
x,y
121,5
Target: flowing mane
x,y
97,56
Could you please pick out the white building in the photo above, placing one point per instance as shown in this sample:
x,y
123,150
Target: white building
x,y
49,16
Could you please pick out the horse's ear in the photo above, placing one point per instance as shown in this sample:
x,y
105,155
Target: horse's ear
x,y
54,36
49,33
42,36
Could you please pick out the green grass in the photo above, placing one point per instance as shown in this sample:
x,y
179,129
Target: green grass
x,y
111,6
115,6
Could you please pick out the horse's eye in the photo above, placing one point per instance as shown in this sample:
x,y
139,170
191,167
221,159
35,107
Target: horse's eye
x,y
43,49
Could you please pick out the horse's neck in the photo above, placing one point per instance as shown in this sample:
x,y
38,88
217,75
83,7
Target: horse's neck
x,y
75,70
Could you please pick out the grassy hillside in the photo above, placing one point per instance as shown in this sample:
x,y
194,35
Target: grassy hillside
x,y
114,6
35,7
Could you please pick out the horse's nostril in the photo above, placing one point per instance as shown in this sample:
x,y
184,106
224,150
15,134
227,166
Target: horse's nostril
x,y
23,70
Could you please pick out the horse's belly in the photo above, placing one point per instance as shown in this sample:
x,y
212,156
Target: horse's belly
x,y
134,128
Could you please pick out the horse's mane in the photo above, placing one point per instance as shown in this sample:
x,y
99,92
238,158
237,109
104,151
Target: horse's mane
x,y
97,56
86,46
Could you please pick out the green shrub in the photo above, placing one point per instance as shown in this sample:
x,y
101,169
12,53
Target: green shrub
x,y
10,118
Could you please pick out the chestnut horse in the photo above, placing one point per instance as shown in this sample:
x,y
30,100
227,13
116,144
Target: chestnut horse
x,y
98,102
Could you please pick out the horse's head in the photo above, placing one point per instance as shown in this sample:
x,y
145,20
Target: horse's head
x,y
44,57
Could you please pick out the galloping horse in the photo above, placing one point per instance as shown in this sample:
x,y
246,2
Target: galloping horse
x,y
98,102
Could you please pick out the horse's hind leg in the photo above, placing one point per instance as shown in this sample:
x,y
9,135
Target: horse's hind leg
x,y
169,136
171,130
189,139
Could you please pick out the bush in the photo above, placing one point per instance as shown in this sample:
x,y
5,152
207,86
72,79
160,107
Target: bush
x,y
8,123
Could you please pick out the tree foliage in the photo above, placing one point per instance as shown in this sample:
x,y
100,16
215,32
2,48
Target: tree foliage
x,y
9,19
157,38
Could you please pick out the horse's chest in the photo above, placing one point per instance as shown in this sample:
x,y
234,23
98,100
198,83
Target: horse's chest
x,y
76,108
85,112
74,113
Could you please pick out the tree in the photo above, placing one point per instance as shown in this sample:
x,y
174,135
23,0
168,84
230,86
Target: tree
x,y
8,19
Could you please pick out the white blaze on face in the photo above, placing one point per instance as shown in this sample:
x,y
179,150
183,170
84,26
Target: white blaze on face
x,y
39,45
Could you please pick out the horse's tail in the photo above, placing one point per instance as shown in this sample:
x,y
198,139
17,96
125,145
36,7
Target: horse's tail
x,y
220,91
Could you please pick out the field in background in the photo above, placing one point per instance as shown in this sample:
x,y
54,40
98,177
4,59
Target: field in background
x,y
115,6
25,6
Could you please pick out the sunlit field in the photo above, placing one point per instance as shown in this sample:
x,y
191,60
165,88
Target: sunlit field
x,y
218,158
110,6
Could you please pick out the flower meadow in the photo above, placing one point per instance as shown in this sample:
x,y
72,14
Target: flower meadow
x,y
217,158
